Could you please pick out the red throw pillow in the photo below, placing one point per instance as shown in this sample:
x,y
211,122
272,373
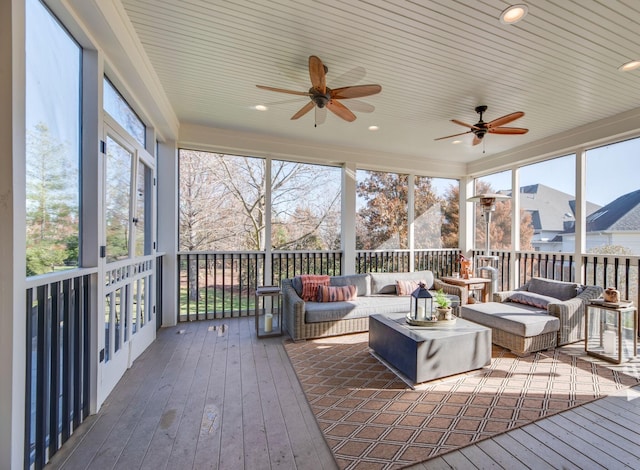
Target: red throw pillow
x,y
310,284
337,293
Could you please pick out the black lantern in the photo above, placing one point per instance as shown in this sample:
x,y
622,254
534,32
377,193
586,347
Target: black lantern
x,y
421,303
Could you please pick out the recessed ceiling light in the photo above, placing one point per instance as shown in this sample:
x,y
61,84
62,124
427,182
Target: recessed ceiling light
x,y
513,14
631,65
456,142
260,107
373,128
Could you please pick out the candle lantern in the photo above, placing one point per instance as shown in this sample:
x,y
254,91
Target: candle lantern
x,y
421,303
268,311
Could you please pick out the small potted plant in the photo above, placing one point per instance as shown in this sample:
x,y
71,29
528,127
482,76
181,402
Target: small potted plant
x,y
443,305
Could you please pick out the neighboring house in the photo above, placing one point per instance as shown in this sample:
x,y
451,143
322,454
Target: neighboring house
x,y
617,223
552,213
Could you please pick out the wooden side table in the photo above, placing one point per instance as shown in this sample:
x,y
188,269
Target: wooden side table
x,y
268,311
611,331
473,283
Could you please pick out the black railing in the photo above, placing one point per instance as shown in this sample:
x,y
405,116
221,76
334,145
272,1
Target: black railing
x,y
621,272
440,262
159,282
218,285
57,362
222,284
384,261
287,264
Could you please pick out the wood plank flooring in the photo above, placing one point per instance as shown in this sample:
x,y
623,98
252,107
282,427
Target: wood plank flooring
x,y
210,395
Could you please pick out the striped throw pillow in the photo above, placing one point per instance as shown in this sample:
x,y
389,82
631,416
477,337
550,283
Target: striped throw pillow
x,y
337,293
407,287
310,284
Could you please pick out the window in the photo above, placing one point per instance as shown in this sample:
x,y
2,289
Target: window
x,y
305,213
613,195
142,220
381,205
119,109
500,229
53,115
547,205
436,213
237,185
117,195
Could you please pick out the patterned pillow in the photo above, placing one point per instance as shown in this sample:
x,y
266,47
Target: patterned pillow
x,y
533,299
407,287
337,293
310,284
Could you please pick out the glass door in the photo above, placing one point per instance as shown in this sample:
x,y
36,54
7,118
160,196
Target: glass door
x,y
118,166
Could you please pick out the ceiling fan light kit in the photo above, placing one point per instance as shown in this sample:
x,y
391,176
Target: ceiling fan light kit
x,y
321,96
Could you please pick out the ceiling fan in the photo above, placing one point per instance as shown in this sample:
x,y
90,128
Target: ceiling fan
x,y
324,97
481,128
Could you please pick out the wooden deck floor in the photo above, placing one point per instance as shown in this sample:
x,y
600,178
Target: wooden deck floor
x,y
167,413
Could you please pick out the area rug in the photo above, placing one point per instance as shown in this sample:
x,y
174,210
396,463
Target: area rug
x,y
372,419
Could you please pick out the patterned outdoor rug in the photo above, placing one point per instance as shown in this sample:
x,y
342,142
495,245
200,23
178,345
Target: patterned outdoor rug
x,y
372,419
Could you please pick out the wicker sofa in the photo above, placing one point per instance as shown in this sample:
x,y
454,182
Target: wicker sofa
x,y
541,314
376,294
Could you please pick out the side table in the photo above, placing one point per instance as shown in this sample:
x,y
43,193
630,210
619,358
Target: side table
x,y
611,331
471,284
268,311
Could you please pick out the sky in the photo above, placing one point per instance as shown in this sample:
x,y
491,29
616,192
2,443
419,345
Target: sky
x,y
52,77
603,184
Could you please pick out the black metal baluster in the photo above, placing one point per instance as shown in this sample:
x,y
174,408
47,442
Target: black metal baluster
x,y
28,380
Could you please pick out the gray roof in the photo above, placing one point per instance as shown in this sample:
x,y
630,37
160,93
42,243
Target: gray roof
x,y
621,214
549,208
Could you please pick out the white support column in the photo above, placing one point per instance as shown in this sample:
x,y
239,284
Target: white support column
x,y
348,217
167,170
581,214
514,269
12,233
268,278
92,223
466,226
411,199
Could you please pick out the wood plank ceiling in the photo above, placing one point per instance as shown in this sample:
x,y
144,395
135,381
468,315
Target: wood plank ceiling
x,y
435,59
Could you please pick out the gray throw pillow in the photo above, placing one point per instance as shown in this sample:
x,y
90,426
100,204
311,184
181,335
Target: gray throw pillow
x,y
558,289
531,298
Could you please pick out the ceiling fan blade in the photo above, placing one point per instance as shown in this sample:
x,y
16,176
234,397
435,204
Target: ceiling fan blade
x,y
290,100
341,110
505,119
361,106
476,140
304,110
317,74
508,130
464,124
351,76
454,135
281,90
357,91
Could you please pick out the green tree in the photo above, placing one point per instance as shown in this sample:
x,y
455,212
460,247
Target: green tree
x,y
451,213
51,203
383,220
